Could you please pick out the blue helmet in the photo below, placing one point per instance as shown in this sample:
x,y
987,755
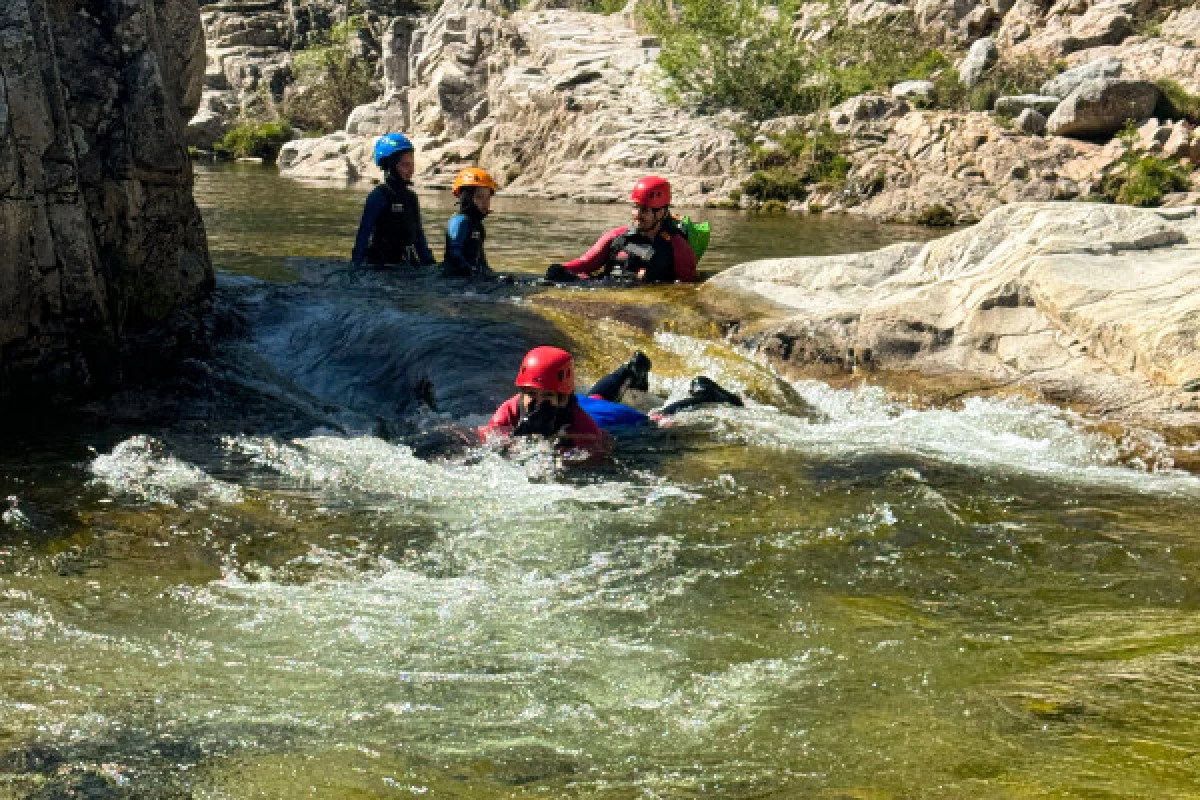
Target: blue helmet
x,y
389,145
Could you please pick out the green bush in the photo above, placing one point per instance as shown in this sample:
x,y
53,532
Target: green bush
x,y
936,216
1142,180
742,54
793,162
1175,102
254,140
336,81
779,184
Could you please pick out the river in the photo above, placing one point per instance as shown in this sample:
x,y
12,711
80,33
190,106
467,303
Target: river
x,y
295,581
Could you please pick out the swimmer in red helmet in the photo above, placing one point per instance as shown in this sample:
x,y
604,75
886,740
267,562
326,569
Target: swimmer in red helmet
x,y
548,406
651,250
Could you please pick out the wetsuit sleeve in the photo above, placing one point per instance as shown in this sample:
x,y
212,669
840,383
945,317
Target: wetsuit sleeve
x,y
422,245
456,236
685,260
374,206
597,257
504,420
586,434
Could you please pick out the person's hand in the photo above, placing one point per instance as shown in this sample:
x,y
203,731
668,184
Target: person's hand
x,y
641,276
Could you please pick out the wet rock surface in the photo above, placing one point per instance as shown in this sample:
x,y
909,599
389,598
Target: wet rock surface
x,y
1088,304
101,238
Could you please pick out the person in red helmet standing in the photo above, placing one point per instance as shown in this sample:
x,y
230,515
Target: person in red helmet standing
x,y
546,404
653,249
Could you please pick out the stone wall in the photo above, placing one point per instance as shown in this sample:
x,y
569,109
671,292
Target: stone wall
x,y
100,238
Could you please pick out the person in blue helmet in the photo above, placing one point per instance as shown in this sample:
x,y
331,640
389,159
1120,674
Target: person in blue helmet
x,y
390,232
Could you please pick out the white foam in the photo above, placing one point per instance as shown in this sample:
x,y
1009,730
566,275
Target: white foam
x,y
985,434
139,467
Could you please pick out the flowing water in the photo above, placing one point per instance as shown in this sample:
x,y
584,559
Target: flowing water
x,y
301,582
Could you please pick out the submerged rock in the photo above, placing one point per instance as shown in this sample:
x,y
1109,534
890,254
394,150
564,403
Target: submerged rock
x,y
1090,303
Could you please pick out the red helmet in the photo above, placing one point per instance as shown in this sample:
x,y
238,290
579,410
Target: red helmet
x,y
547,368
652,192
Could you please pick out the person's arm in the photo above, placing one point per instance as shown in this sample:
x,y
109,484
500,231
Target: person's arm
x,y
372,208
685,260
504,420
456,236
422,245
596,258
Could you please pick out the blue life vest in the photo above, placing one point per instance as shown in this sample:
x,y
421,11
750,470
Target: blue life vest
x,y
609,415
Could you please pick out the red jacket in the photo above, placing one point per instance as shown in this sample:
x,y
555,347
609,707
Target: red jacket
x,y
583,432
600,254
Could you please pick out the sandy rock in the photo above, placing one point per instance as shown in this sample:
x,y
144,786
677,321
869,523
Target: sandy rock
x,y
1102,301
968,163
1012,105
1101,107
1066,83
1030,121
1182,28
980,58
864,108
1151,60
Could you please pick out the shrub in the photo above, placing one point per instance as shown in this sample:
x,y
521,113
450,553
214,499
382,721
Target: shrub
x,y
1175,102
794,161
336,81
742,54
1143,180
936,216
779,184
254,140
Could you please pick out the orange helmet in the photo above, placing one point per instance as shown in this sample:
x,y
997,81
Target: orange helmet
x,y
473,176
548,368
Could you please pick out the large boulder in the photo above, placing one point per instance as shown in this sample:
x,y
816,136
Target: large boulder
x,y
1067,82
1083,301
982,56
101,238
1101,107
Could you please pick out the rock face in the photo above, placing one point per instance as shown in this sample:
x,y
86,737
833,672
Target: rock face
x,y
1100,107
100,236
981,57
968,163
554,103
1098,304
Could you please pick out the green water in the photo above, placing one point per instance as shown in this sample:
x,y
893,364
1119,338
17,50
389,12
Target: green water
x,y
825,594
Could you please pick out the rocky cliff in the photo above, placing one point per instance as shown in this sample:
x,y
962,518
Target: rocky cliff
x,y
100,238
1083,303
560,103
555,103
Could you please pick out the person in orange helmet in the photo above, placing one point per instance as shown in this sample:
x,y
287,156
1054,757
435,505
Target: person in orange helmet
x,y
465,234
546,404
652,250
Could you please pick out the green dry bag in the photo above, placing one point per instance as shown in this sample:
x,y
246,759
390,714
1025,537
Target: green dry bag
x,y
697,234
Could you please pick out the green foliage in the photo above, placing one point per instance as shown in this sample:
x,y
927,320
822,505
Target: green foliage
x,y
773,206
936,216
1139,179
336,81
793,162
1175,102
254,140
742,54
1010,76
